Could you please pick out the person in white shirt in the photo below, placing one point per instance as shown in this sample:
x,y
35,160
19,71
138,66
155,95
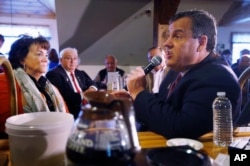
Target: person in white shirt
x,y
155,77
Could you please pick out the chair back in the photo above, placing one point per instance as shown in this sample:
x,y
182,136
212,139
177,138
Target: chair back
x,y
7,68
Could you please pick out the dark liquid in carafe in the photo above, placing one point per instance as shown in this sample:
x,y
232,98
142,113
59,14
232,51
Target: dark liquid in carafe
x,y
93,157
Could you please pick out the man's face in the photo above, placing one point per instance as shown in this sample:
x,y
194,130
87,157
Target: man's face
x,y
244,62
155,52
69,60
110,64
181,48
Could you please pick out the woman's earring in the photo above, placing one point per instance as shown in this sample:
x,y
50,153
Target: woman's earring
x,y
24,66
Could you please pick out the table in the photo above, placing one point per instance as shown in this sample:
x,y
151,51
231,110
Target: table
x,y
148,140
151,140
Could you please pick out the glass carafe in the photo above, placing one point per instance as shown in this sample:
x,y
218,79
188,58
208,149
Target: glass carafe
x,y
104,133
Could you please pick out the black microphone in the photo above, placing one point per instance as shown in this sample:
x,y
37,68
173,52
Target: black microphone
x,y
155,61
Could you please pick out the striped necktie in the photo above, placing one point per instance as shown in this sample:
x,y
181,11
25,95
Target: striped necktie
x,y
74,81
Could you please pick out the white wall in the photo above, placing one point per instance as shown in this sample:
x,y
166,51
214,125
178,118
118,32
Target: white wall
x,y
224,33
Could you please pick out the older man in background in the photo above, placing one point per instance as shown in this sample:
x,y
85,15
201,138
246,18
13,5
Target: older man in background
x,y
155,77
70,81
110,66
243,62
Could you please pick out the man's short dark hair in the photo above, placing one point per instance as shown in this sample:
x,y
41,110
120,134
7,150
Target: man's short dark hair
x,y
226,52
244,51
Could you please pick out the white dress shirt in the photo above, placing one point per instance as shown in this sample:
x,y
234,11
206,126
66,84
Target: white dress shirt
x,y
158,77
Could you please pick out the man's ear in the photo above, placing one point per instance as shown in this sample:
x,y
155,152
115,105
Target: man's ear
x,y
202,43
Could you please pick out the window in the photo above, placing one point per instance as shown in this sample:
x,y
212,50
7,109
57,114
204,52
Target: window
x,y
13,32
240,41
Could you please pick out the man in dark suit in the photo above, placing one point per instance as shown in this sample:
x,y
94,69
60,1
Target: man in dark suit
x,y
70,81
110,66
187,110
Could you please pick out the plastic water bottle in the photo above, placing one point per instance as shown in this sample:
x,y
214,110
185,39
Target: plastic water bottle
x,y
222,120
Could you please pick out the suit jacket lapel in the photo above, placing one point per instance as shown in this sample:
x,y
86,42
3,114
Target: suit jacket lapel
x,y
66,77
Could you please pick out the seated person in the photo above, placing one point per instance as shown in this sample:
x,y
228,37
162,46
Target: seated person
x,y
243,63
227,54
53,59
110,66
155,77
29,59
242,52
70,81
187,110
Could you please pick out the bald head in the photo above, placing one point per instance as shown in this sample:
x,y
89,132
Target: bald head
x,y
110,63
244,62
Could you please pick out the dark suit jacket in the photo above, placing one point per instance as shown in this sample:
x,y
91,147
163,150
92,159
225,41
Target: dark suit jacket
x,y
103,74
60,79
187,112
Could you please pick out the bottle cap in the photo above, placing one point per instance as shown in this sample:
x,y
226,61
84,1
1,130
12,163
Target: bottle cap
x,y
221,93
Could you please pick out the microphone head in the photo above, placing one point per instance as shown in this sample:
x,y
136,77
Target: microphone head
x,y
156,60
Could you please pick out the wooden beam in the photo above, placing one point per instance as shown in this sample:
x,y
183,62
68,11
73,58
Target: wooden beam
x,y
163,11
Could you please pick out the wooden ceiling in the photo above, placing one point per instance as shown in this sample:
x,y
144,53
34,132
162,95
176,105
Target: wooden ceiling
x,y
28,8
